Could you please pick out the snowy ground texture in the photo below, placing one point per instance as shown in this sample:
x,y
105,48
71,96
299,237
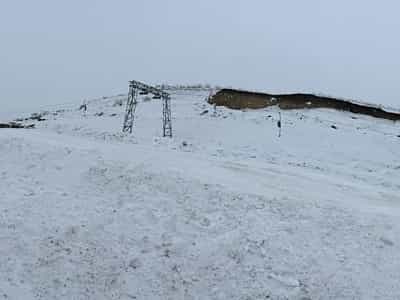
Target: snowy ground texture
x,y
224,210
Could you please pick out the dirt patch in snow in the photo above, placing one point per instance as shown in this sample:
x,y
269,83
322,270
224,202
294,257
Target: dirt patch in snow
x,y
237,99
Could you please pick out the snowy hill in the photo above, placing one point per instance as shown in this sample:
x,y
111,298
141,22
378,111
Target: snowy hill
x,y
223,210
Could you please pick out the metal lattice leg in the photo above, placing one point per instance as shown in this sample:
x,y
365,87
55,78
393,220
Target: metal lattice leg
x,y
130,110
167,122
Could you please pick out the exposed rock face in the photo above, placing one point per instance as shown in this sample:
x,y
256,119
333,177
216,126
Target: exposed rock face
x,y
237,99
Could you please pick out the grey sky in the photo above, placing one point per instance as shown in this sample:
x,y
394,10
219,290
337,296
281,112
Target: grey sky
x,y
60,51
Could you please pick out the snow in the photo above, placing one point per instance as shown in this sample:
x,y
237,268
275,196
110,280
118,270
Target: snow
x,y
224,210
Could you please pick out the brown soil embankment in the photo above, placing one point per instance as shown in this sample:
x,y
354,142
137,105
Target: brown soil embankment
x,y
237,99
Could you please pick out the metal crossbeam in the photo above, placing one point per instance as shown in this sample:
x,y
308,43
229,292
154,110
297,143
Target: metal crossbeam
x,y
147,88
134,88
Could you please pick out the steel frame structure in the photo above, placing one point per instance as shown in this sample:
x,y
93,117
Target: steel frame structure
x,y
134,88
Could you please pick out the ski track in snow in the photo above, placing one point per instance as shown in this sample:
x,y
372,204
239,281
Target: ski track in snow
x,y
87,213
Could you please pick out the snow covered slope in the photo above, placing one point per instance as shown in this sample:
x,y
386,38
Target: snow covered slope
x,y
224,210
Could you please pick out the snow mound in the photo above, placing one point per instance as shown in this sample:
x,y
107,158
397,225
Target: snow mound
x,y
224,210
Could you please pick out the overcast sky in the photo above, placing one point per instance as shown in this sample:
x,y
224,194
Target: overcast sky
x,y
61,51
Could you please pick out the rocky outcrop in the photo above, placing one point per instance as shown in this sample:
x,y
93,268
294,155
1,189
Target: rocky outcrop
x,y
15,125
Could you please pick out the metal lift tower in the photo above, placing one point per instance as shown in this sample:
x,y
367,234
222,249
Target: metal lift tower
x,y
136,87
